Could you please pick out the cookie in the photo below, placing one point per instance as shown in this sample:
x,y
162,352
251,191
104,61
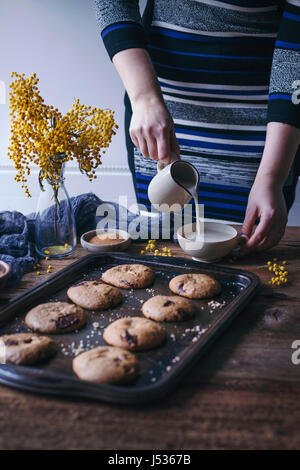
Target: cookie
x,y
129,276
106,364
168,308
25,348
55,317
94,295
195,286
134,334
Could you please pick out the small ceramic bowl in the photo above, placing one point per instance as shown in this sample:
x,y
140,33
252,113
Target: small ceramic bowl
x,y
98,248
206,250
5,270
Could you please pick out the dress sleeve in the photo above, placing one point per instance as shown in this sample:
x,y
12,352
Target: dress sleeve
x,y
283,104
120,24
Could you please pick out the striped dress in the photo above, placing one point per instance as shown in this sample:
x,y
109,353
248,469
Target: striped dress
x,y
226,69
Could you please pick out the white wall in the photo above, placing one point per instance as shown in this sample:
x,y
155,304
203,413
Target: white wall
x,y
58,40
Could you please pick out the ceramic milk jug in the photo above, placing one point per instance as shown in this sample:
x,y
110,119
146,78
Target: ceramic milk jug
x,y
173,186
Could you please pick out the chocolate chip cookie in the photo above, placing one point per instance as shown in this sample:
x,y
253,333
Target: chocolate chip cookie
x,y
94,295
129,276
134,333
168,308
106,364
25,348
55,317
195,286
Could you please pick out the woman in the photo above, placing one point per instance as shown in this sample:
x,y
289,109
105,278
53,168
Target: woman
x,y
216,78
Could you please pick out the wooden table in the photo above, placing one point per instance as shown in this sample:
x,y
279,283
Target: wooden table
x,y
244,394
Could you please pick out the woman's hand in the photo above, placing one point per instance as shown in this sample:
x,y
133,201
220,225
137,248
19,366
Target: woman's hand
x,y
152,129
266,203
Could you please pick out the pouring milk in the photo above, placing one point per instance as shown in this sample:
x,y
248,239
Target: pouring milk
x,y
174,186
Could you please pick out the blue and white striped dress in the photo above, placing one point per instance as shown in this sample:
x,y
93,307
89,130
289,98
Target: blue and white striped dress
x,y
226,69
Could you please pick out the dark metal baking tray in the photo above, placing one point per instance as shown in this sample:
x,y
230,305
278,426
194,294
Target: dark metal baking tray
x,y
161,368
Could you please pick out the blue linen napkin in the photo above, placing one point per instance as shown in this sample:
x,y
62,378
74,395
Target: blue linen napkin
x,y
16,249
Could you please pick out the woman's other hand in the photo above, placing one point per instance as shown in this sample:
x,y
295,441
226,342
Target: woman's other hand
x,y
266,203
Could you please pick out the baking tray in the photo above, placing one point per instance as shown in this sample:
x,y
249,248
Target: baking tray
x,y
162,368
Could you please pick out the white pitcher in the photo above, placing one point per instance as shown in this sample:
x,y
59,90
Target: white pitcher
x,y
173,186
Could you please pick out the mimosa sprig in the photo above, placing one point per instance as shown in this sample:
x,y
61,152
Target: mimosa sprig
x,y
40,134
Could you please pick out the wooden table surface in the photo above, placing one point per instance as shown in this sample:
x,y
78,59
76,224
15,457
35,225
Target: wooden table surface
x,y
244,394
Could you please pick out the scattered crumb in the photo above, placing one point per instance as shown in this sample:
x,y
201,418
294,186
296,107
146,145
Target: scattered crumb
x,y
215,304
78,351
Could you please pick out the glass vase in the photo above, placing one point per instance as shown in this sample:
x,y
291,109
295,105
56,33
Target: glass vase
x,y
55,229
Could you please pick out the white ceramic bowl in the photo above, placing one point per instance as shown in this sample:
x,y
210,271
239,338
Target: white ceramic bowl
x,y
206,250
98,248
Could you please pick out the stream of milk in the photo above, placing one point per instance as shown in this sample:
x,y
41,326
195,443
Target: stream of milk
x,y
198,225
188,179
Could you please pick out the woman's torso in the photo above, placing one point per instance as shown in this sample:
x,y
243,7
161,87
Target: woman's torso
x,y
213,62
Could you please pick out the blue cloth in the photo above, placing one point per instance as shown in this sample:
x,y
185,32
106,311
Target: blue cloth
x,y
17,230
17,234
16,248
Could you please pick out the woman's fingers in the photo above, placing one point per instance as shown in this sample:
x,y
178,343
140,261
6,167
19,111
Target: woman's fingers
x,y
267,242
152,145
249,221
163,144
273,238
261,232
174,143
143,146
145,141
156,144
168,144
134,138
